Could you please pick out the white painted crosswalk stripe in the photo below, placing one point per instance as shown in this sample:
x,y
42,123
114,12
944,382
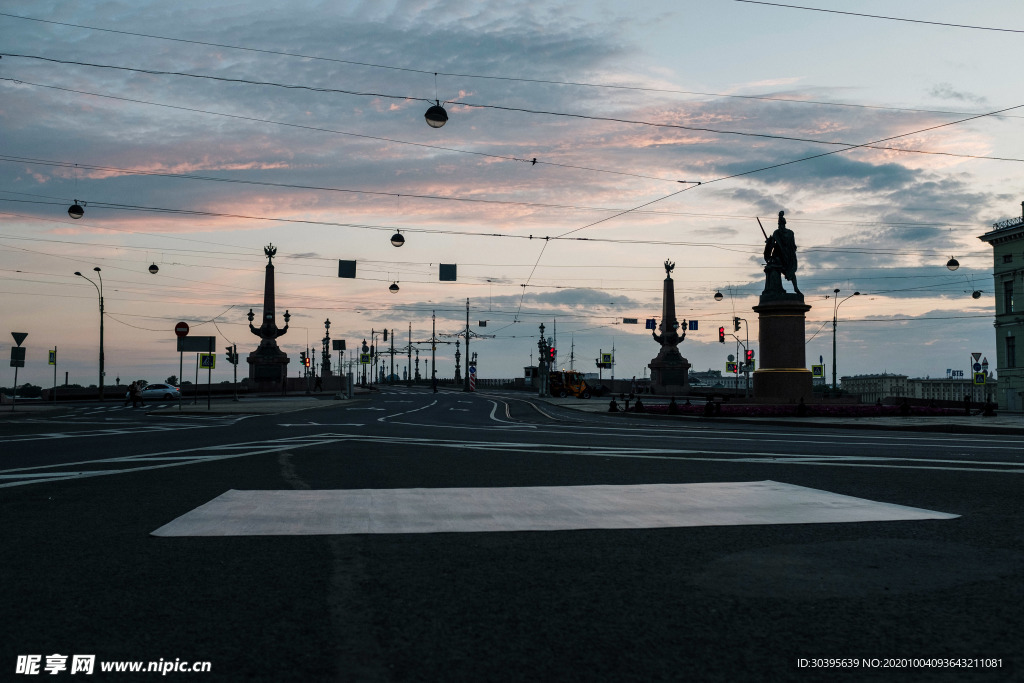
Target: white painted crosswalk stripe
x,y
537,508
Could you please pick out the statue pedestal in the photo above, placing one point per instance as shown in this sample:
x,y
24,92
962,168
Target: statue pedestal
x,y
268,368
670,373
783,376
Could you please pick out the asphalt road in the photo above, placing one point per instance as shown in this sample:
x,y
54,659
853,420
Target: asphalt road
x,y
82,490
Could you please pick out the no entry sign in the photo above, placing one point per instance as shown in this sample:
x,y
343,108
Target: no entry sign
x,y
181,329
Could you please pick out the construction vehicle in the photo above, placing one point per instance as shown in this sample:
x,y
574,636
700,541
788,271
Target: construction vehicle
x,y
568,383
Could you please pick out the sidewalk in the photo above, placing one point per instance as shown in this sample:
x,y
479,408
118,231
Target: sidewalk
x,y
1001,423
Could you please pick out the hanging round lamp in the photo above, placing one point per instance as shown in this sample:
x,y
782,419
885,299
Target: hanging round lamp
x,y
154,269
718,296
952,263
436,116
397,239
75,210
976,294
393,288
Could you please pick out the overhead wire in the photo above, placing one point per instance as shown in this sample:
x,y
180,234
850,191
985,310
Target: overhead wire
x,y
477,105
876,16
478,76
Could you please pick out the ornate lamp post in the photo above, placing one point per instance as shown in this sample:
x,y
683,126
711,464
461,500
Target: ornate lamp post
x,y
835,322
325,362
99,291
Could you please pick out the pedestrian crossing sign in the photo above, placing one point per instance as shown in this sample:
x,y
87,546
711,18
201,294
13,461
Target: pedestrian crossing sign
x,y
53,357
817,371
979,378
208,360
364,358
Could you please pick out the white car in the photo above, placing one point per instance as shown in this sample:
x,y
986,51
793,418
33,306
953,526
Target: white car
x,y
160,391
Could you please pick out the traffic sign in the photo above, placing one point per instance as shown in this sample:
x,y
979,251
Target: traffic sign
x,y
208,360
364,358
181,329
17,357
472,369
979,378
197,344
731,367
977,367
19,337
817,371
975,356
53,357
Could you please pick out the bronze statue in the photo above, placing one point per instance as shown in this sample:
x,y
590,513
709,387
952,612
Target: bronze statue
x,y
780,251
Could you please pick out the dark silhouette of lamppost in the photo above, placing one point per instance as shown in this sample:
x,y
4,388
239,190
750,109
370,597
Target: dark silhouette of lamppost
x,y
99,291
835,322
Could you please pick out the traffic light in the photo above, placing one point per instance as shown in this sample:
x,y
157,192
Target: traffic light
x,y
385,335
750,355
230,355
306,361
735,324
721,335
551,354
303,361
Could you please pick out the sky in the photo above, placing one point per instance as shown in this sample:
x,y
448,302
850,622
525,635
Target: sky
x,y
194,134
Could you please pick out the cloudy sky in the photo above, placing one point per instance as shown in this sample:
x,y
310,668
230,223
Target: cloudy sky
x,y
196,133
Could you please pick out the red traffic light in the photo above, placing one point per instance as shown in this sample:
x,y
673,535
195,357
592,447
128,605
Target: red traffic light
x,y
721,335
750,355
551,353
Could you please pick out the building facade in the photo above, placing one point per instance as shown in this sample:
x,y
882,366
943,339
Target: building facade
x,y
948,389
873,388
1007,240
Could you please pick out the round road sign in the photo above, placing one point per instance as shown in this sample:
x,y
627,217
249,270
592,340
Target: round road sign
x,y
181,329
977,367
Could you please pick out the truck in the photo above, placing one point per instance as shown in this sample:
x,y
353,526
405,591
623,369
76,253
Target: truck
x,y
564,383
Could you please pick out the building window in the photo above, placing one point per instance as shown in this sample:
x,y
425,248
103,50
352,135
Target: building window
x,y
1008,296
1011,352
1007,258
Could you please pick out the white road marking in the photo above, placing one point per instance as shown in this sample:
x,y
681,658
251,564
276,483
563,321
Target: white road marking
x,y
533,508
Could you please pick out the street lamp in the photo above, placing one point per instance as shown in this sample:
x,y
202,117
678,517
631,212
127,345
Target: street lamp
x,y
436,116
952,263
719,296
398,239
835,322
99,291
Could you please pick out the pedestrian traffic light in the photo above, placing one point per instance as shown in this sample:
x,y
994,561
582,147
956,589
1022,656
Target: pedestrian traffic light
x,y
721,335
735,324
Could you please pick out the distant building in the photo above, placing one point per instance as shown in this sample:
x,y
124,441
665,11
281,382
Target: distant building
x,y
716,379
948,389
873,388
884,386
1007,240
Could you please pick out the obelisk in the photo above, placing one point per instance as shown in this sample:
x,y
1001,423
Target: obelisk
x,y
670,372
268,364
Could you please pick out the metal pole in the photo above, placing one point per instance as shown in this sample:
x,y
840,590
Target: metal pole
x,y
55,373
465,386
102,373
835,322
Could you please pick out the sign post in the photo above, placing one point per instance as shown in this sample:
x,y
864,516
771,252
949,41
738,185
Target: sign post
x,y
181,330
17,361
53,362
200,345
